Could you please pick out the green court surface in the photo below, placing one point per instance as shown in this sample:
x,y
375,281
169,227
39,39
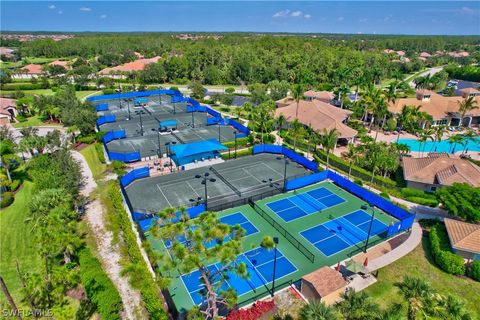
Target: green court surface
x,y
251,175
290,241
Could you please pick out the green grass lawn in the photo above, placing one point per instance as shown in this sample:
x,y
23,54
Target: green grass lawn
x,y
83,94
94,163
17,241
31,121
420,263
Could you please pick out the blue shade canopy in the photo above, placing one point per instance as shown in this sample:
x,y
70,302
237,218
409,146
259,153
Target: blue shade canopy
x,y
140,100
168,123
190,149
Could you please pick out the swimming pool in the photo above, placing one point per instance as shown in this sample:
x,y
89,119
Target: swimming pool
x,y
440,146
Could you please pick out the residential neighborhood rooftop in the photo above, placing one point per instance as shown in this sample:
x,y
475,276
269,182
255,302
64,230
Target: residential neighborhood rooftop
x,y
463,235
136,65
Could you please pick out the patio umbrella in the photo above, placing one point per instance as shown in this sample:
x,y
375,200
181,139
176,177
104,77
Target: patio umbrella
x,y
365,263
338,267
354,266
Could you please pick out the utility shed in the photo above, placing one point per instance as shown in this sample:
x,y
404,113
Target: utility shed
x,y
324,284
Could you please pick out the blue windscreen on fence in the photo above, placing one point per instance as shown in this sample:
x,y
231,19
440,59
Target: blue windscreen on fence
x,y
269,148
134,94
106,119
192,101
124,157
114,135
405,217
212,121
133,175
240,127
101,107
146,223
213,113
305,181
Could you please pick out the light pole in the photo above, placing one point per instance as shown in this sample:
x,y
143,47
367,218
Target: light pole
x,y
219,140
205,178
284,171
159,150
193,120
140,112
275,240
128,107
235,135
364,207
169,152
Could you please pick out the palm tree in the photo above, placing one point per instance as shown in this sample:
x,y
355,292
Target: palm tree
x,y
466,105
295,130
280,121
317,311
357,305
454,309
468,136
417,292
328,141
353,156
439,131
297,93
455,139
424,136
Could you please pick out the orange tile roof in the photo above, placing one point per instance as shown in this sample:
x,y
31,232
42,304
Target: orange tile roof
x,y
325,280
33,69
425,54
441,169
320,95
137,65
6,103
437,106
463,235
59,63
319,115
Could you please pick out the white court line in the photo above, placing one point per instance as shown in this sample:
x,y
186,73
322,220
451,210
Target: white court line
x,y
188,183
131,145
247,172
163,194
279,173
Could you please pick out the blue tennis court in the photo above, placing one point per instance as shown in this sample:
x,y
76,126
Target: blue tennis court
x,y
232,219
305,203
339,234
259,262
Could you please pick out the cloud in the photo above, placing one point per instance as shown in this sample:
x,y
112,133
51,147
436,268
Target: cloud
x,y
287,13
340,19
85,9
281,14
363,20
51,7
60,12
469,11
103,16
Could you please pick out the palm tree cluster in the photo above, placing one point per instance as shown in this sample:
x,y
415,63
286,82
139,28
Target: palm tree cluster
x,y
420,301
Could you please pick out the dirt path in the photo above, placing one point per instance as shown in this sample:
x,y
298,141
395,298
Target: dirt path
x,y
109,252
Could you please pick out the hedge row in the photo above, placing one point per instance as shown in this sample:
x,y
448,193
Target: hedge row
x,y
100,153
240,153
441,252
7,199
140,278
98,286
23,86
240,142
475,270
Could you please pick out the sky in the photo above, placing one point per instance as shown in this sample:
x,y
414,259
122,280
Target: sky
x,y
362,17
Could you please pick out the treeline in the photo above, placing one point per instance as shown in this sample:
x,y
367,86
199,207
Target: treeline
x,y
244,58
470,73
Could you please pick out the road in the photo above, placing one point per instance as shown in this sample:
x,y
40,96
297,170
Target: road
x,y
430,71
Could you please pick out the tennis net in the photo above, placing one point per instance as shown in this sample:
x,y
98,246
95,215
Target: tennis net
x,y
300,247
311,201
353,230
178,138
226,182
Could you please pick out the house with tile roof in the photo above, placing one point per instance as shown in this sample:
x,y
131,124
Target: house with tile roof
x,y
8,112
320,116
119,72
464,238
29,71
437,170
444,110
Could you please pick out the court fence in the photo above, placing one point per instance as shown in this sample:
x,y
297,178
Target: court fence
x,y
293,240
244,131
134,94
114,135
297,183
106,119
124,157
134,175
101,107
270,148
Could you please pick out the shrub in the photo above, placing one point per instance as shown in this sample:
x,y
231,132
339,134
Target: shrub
x,y
240,142
118,167
240,153
22,86
256,311
358,181
88,139
423,201
475,270
108,91
385,195
7,199
98,286
409,192
441,252
100,153
14,185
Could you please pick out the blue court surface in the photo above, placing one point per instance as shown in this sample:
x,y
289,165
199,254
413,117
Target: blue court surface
x,y
339,234
259,262
303,204
232,219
